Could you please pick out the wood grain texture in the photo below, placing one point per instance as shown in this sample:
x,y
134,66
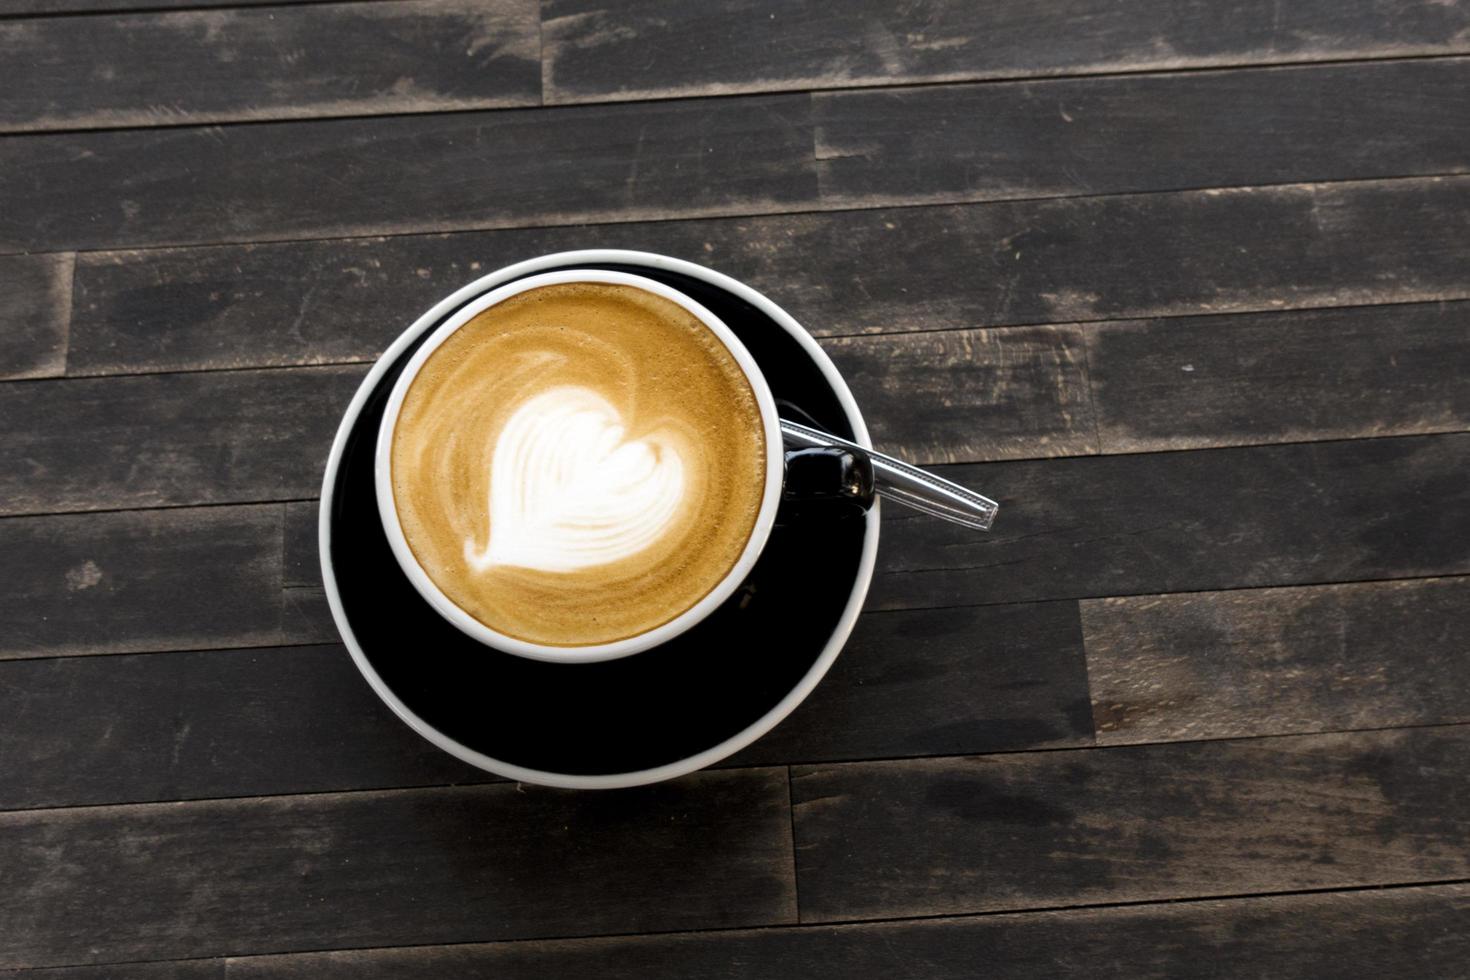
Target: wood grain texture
x,y
1076,137
306,617
197,724
303,567
177,970
1073,528
943,682
1396,934
35,312
1258,662
1174,522
22,8
256,435
1197,319
315,302
893,270
193,725
1130,824
401,867
138,581
201,66
314,179
978,395
966,395
656,48
1237,380
217,437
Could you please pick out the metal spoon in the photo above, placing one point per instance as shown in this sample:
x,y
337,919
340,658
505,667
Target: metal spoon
x,y
905,483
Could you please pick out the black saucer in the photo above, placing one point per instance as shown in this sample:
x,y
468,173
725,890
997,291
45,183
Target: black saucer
x,y
630,715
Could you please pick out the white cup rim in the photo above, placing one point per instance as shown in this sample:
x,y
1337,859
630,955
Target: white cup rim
x,y
589,653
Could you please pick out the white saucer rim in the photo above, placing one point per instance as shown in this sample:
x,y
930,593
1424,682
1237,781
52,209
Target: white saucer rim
x,y
671,770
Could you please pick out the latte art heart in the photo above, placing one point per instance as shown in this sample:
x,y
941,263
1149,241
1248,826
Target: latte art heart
x,y
569,490
579,464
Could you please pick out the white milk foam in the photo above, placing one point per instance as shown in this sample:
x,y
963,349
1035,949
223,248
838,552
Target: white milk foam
x,y
579,464
569,491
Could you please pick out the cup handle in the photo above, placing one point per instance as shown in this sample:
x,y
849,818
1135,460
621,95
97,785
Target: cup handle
x,y
825,483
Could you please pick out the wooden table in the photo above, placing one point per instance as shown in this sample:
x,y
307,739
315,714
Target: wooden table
x,y
1185,285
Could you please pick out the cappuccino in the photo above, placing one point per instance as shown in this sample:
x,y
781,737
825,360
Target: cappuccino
x,y
579,464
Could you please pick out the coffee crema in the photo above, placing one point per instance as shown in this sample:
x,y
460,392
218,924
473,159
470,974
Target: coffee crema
x,y
579,464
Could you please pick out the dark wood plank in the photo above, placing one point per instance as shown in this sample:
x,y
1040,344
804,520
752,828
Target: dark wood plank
x,y
393,868
1237,380
943,682
306,617
376,176
966,395
177,970
933,268
22,8
1258,662
654,48
194,725
1396,934
1091,136
35,311
214,437
984,394
198,66
1073,528
303,568
1175,522
1129,824
144,580
253,435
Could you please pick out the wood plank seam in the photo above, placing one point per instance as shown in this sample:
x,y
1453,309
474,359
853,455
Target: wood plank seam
x,y
146,7
749,881
226,64
449,102
816,201
68,293
1178,820
35,314
205,121
484,779
795,877
1132,431
845,926
1211,665
1092,401
862,44
1147,595
1038,910
211,505
823,338
814,207
1084,323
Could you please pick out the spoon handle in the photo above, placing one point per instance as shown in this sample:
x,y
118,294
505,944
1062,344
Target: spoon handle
x,y
906,483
